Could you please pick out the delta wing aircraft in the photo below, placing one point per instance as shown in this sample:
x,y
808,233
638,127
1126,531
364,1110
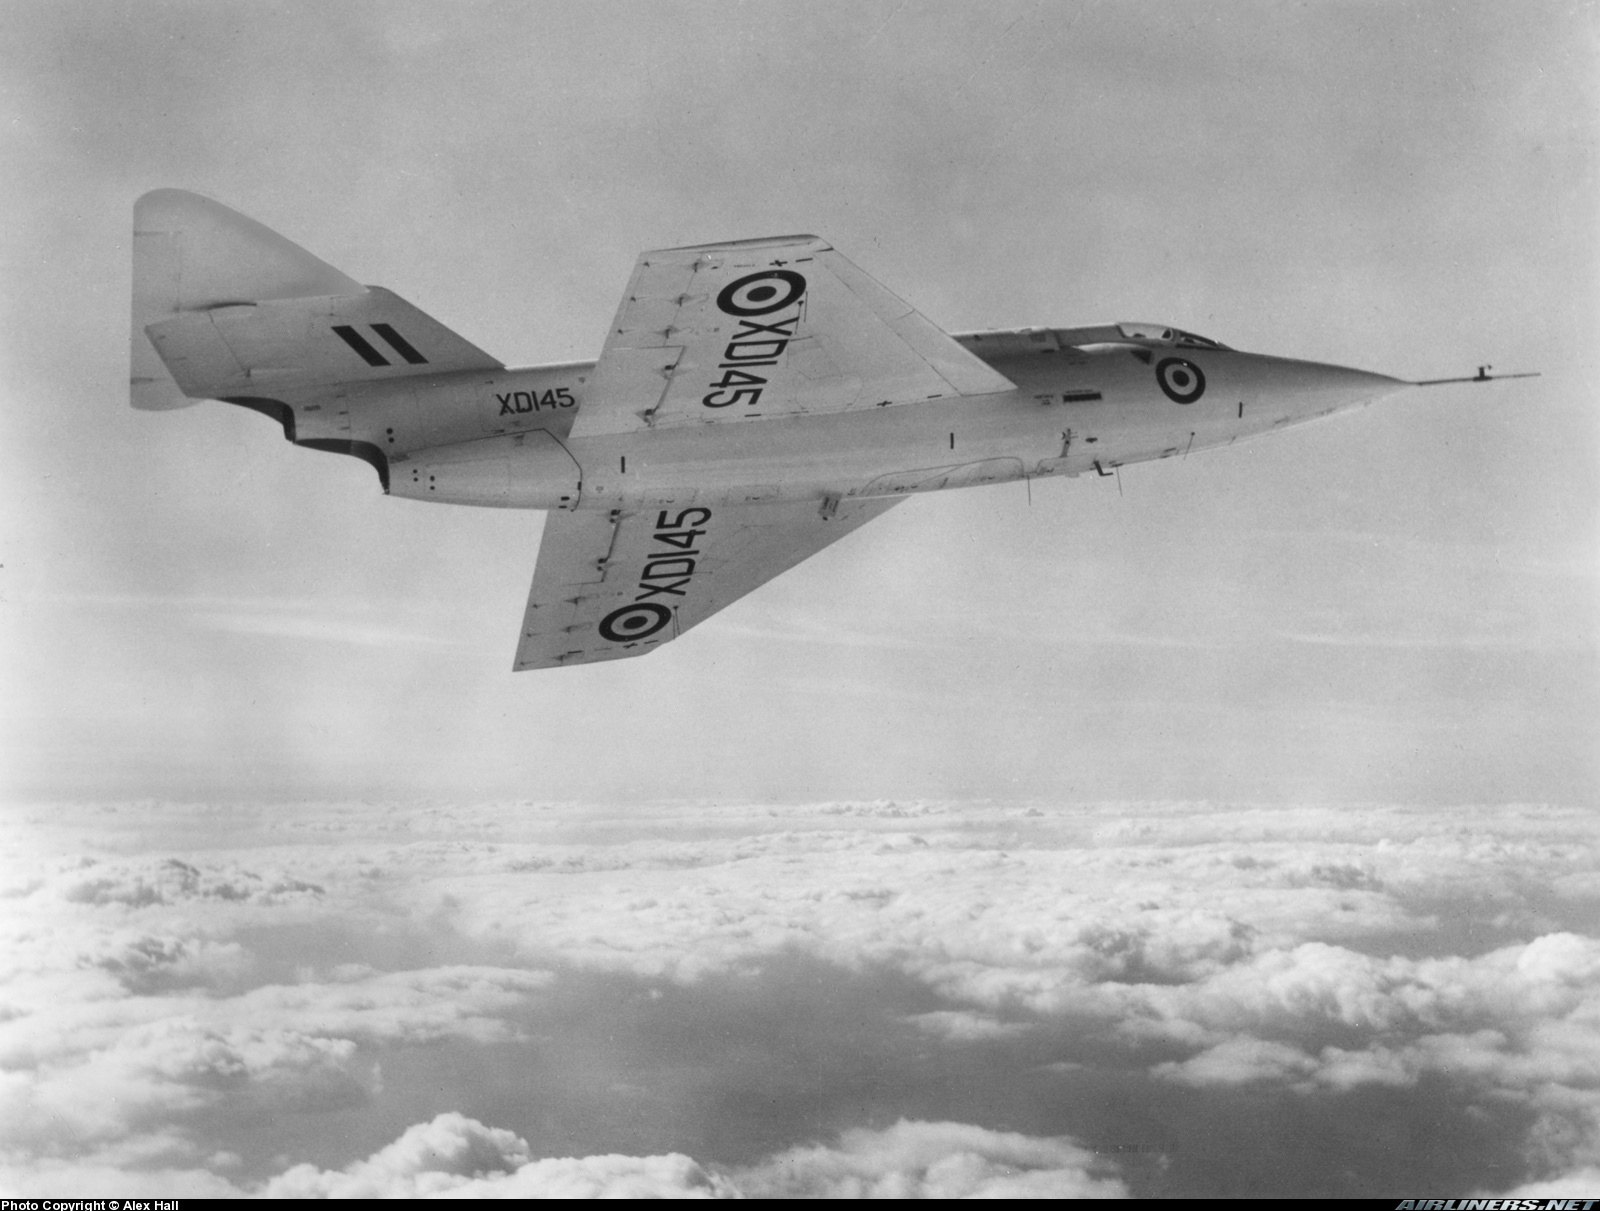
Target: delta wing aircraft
x,y
753,402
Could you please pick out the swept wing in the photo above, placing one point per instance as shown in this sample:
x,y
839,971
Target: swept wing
x,y
758,329
610,585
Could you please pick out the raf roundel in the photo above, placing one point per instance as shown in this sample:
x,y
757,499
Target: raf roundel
x,y
1181,380
634,622
761,293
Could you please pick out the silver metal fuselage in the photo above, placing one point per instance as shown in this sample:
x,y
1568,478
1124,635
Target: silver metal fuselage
x,y
504,439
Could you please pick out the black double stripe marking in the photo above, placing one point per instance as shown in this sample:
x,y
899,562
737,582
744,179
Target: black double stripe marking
x,y
400,345
369,353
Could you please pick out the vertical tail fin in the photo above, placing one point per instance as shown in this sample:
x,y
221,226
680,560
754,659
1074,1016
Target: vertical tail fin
x,y
191,254
224,307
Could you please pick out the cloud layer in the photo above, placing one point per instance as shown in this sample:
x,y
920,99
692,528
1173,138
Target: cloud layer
x,y
459,1157
901,999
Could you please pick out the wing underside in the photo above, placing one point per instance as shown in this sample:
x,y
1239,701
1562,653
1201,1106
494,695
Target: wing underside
x,y
613,585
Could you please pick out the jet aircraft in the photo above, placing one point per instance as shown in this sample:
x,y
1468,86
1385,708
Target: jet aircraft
x,y
754,401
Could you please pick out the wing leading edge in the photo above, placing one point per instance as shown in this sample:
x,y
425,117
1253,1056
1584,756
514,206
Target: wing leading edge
x,y
612,585
765,328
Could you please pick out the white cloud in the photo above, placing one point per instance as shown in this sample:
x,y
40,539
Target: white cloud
x,y
82,1075
88,1177
932,1160
430,1158
611,1176
173,1066
146,962
973,921
966,1026
1254,948
450,1157
171,881
1520,1025
1525,992
1578,1183
458,1157
1240,1061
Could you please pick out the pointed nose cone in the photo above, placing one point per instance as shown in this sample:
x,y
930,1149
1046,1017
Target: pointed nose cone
x,y
1360,384
1304,390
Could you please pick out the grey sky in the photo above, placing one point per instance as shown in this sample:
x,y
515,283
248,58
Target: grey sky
x,y
1399,605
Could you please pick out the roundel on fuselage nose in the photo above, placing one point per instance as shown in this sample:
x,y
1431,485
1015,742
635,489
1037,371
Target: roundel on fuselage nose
x,y
1181,380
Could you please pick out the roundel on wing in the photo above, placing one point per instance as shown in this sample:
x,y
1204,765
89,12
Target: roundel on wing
x,y
761,293
633,622
1181,380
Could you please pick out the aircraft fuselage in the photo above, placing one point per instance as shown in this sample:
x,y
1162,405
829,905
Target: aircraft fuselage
x,y
1074,410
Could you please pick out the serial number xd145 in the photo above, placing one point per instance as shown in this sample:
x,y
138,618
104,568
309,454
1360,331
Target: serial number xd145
x,y
755,346
667,573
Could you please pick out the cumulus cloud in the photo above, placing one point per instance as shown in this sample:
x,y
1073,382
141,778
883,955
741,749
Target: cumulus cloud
x,y
1319,986
170,881
147,979
1519,1024
1112,920
1263,945
458,1157
171,1067
149,963
1544,993
1240,1062
100,1070
430,1158
131,991
932,1160
92,1177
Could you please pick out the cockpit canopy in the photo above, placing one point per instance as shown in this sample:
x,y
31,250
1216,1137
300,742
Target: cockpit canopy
x,y
1162,334
1012,342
